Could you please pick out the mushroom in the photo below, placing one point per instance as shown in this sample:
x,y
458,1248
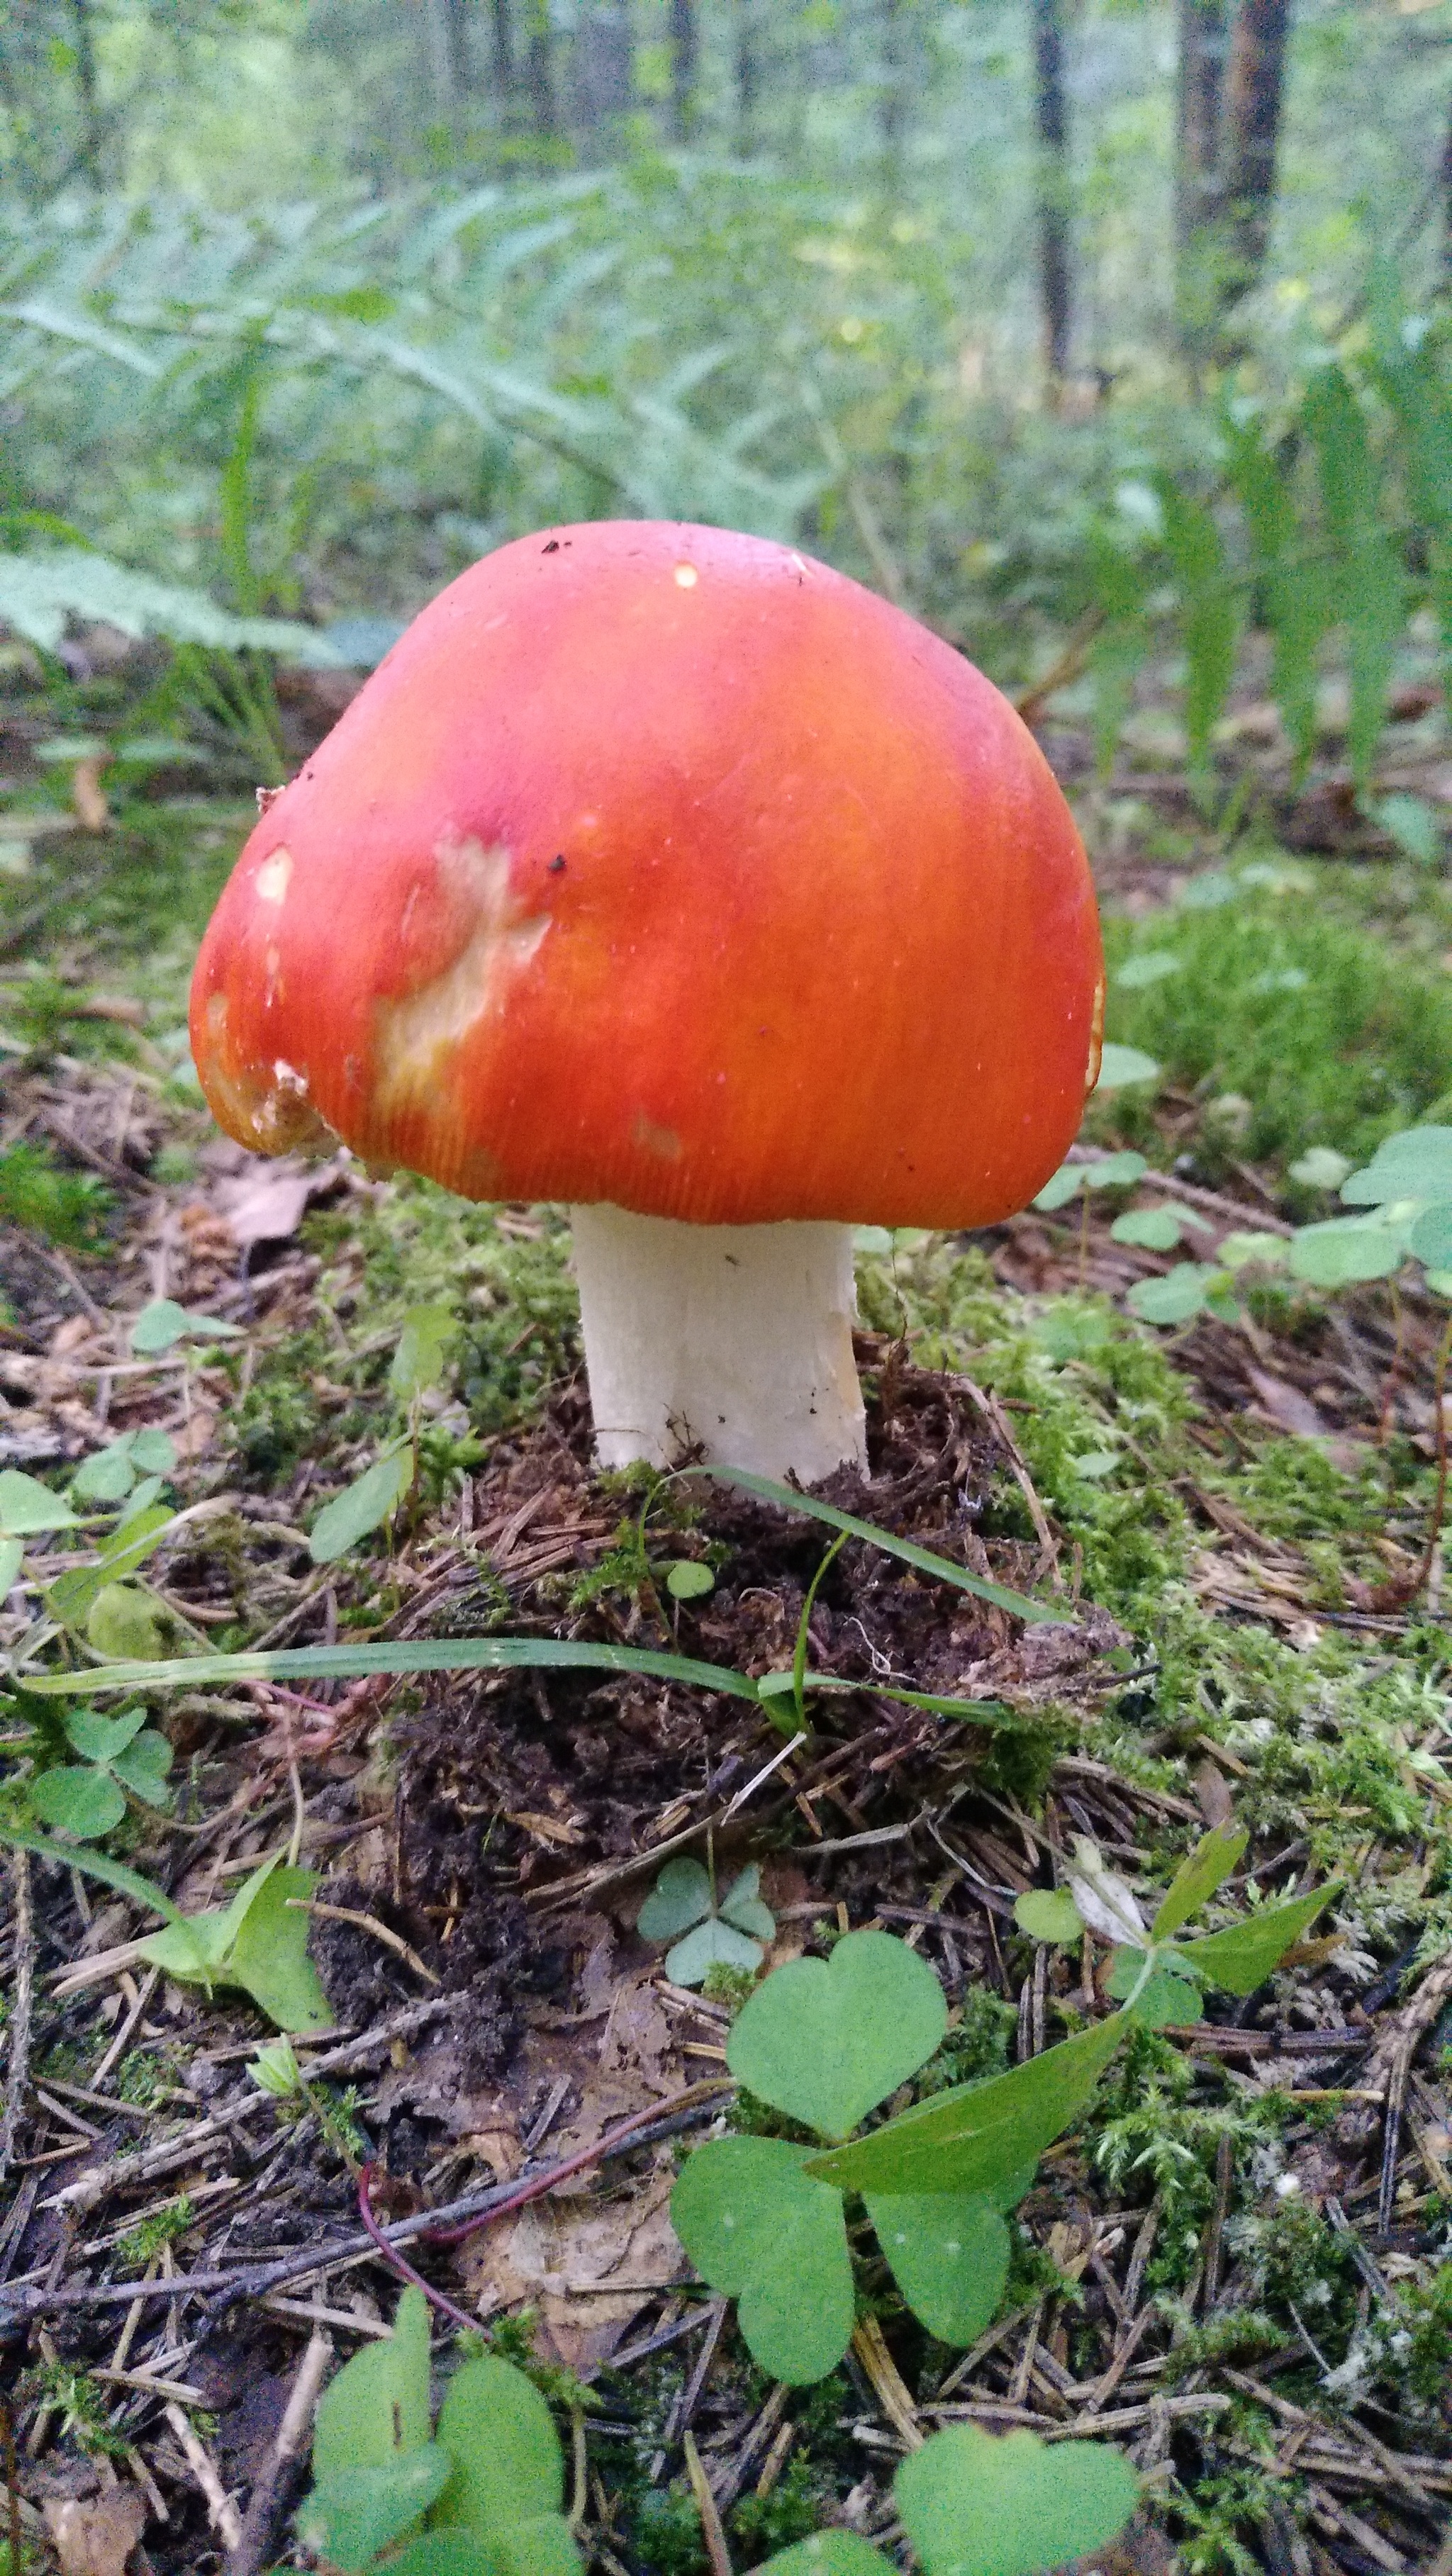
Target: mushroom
x,y
669,873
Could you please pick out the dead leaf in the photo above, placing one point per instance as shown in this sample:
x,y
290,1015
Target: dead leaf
x,y
87,795
586,2267
266,1202
97,2539
1287,1407
1216,1805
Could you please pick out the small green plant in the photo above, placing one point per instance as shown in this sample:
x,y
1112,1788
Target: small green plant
x,y
418,1364
161,1325
397,2495
118,1756
825,2041
682,1908
482,2489
38,1193
113,1474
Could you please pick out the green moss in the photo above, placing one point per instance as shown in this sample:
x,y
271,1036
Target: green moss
x,y
1332,1034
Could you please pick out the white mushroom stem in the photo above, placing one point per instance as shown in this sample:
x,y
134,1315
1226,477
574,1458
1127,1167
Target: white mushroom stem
x,y
733,1340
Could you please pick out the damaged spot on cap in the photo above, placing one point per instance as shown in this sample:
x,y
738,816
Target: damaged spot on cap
x,y
686,576
1096,1039
660,1141
274,877
418,1034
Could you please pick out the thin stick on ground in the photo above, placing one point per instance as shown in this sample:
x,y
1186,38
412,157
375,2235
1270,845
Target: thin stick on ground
x,y
269,2496
18,2071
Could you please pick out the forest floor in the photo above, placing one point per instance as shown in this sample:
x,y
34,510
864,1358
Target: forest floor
x,y
1239,2264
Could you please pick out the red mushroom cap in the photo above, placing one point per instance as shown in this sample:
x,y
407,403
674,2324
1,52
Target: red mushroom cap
x,y
666,866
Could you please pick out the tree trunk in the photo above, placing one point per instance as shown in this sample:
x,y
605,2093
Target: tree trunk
x,y
1051,123
685,67
1254,86
1198,193
892,90
503,65
539,71
448,54
88,153
748,73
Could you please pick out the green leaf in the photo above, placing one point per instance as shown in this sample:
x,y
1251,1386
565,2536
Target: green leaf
x,y
101,1739
1147,966
73,1596
418,1655
948,2256
1120,1066
762,2231
258,1942
1242,1957
680,1897
1240,1251
144,1768
98,1865
123,1620
1049,1914
26,1504
269,1957
1061,1186
1154,1229
974,2137
507,2463
1368,587
12,1557
825,2040
1115,1171
1320,1168
1344,1249
980,2504
1431,1237
349,2519
153,1452
742,1905
542,2547
85,1803
418,1360
162,1324
688,1581
378,2406
713,1944
1162,1998
834,2552
1205,1869
1413,824
1416,1163
1294,586
940,1568
1175,1298
1209,611
108,1476
361,1507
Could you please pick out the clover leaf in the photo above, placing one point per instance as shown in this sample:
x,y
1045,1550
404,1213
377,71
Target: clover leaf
x,y
731,1934
758,2228
984,2504
825,2040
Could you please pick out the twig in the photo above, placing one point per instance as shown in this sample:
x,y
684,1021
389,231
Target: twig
x,y
270,2494
18,2073
1066,668
252,2281
712,2531
221,2511
12,2490
893,2394
365,1923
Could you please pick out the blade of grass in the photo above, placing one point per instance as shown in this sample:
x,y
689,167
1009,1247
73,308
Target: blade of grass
x,y
427,1655
940,1568
94,1864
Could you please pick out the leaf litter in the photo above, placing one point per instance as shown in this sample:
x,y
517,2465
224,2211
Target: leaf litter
x,y
1235,2267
